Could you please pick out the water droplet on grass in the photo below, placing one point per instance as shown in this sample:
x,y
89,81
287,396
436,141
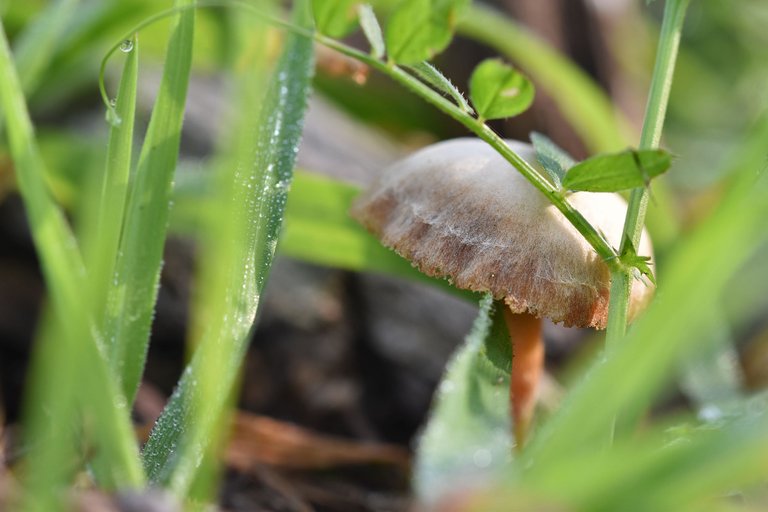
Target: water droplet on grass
x,y
126,46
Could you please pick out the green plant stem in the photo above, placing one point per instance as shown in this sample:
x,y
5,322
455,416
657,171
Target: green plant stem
x,y
131,301
104,241
618,307
555,196
655,112
656,108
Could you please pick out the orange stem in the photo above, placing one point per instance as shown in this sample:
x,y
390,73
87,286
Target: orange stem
x,y
527,367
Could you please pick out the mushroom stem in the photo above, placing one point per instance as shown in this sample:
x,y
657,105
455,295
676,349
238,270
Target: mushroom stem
x,y
527,364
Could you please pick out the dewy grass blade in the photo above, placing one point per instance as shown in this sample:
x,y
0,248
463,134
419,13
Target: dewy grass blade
x,y
225,302
173,456
86,378
131,304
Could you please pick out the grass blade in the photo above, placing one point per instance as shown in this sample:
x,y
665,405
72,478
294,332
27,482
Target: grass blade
x,y
172,455
131,304
102,234
57,386
678,468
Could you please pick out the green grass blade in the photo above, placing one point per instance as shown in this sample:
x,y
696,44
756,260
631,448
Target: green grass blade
x,y
102,232
172,455
131,304
56,384
36,46
666,468
61,262
708,468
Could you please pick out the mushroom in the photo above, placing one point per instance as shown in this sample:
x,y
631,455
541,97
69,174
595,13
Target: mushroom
x,y
458,210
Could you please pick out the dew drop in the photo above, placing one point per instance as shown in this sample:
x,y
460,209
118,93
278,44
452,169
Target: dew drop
x,y
126,46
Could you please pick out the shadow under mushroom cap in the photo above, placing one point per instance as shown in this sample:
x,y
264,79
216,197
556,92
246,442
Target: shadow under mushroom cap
x,y
458,210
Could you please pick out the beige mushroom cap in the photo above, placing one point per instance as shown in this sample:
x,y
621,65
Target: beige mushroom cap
x,y
458,210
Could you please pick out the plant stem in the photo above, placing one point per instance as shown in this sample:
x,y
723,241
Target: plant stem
x,y
555,196
655,112
656,109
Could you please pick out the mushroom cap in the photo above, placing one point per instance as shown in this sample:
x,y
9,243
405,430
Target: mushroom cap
x,y
458,210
